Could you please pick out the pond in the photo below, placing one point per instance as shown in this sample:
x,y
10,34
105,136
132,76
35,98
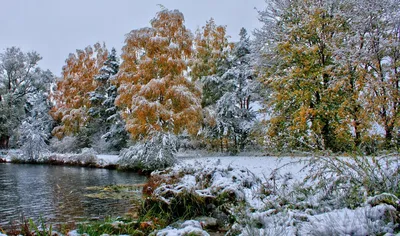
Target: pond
x,y
61,194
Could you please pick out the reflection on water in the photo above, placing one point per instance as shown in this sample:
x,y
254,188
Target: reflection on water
x,y
57,193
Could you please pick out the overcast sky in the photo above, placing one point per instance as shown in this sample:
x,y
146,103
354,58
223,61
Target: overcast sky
x,y
55,28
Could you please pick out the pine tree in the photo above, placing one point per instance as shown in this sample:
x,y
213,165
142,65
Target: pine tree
x,y
106,116
234,114
154,93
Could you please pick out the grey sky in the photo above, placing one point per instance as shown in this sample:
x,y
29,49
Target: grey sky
x,y
55,28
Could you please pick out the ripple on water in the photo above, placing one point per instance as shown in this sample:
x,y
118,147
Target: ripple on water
x,y
59,194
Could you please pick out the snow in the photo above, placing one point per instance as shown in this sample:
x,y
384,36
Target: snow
x,y
85,157
189,227
107,159
72,233
260,166
246,176
361,221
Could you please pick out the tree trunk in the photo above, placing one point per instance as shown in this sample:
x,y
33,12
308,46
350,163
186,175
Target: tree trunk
x,y
4,141
388,136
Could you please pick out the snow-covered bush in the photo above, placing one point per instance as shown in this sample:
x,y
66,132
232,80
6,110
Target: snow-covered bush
x,y
189,227
100,144
33,142
87,156
155,154
333,183
348,181
335,196
367,220
69,144
190,191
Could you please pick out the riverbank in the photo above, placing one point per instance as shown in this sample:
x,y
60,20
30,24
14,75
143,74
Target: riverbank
x,y
87,158
324,195
260,195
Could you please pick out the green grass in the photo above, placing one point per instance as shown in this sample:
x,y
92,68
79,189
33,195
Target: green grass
x,y
111,226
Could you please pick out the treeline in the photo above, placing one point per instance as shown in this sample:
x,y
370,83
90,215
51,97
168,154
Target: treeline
x,y
325,73
333,72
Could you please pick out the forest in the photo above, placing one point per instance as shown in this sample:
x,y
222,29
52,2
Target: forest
x,y
320,77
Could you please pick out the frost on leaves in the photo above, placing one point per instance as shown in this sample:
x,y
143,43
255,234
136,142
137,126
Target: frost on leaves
x,y
154,93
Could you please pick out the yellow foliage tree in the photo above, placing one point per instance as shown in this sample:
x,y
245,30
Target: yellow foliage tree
x,y
71,97
212,47
154,92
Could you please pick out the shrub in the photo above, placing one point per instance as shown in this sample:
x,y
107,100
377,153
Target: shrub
x,y
348,181
156,154
68,144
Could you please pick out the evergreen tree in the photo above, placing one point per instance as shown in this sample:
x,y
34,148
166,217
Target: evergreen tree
x,y
233,110
106,116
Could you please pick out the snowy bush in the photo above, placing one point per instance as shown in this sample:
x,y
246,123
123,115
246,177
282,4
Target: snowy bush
x,y
333,183
348,181
189,227
87,156
336,196
191,191
367,220
68,144
33,142
156,154
100,144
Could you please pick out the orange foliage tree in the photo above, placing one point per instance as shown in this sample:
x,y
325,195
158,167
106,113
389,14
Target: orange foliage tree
x,y
212,48
71,97
154,91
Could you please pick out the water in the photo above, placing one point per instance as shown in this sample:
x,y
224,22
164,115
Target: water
x,y
57,193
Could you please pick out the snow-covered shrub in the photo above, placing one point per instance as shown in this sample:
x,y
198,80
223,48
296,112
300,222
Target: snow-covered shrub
x,y
155,154
87,156
336,196
188,191
367,220
333,183
33,142
264,223
100,144
348,181
189,228
69,144
14,155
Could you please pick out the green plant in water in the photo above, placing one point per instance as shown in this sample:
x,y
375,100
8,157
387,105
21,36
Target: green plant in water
x,y
111,226
43,231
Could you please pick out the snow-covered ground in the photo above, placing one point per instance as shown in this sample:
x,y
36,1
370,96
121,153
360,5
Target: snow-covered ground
x,y
107,159
274,199
86,157
259,165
